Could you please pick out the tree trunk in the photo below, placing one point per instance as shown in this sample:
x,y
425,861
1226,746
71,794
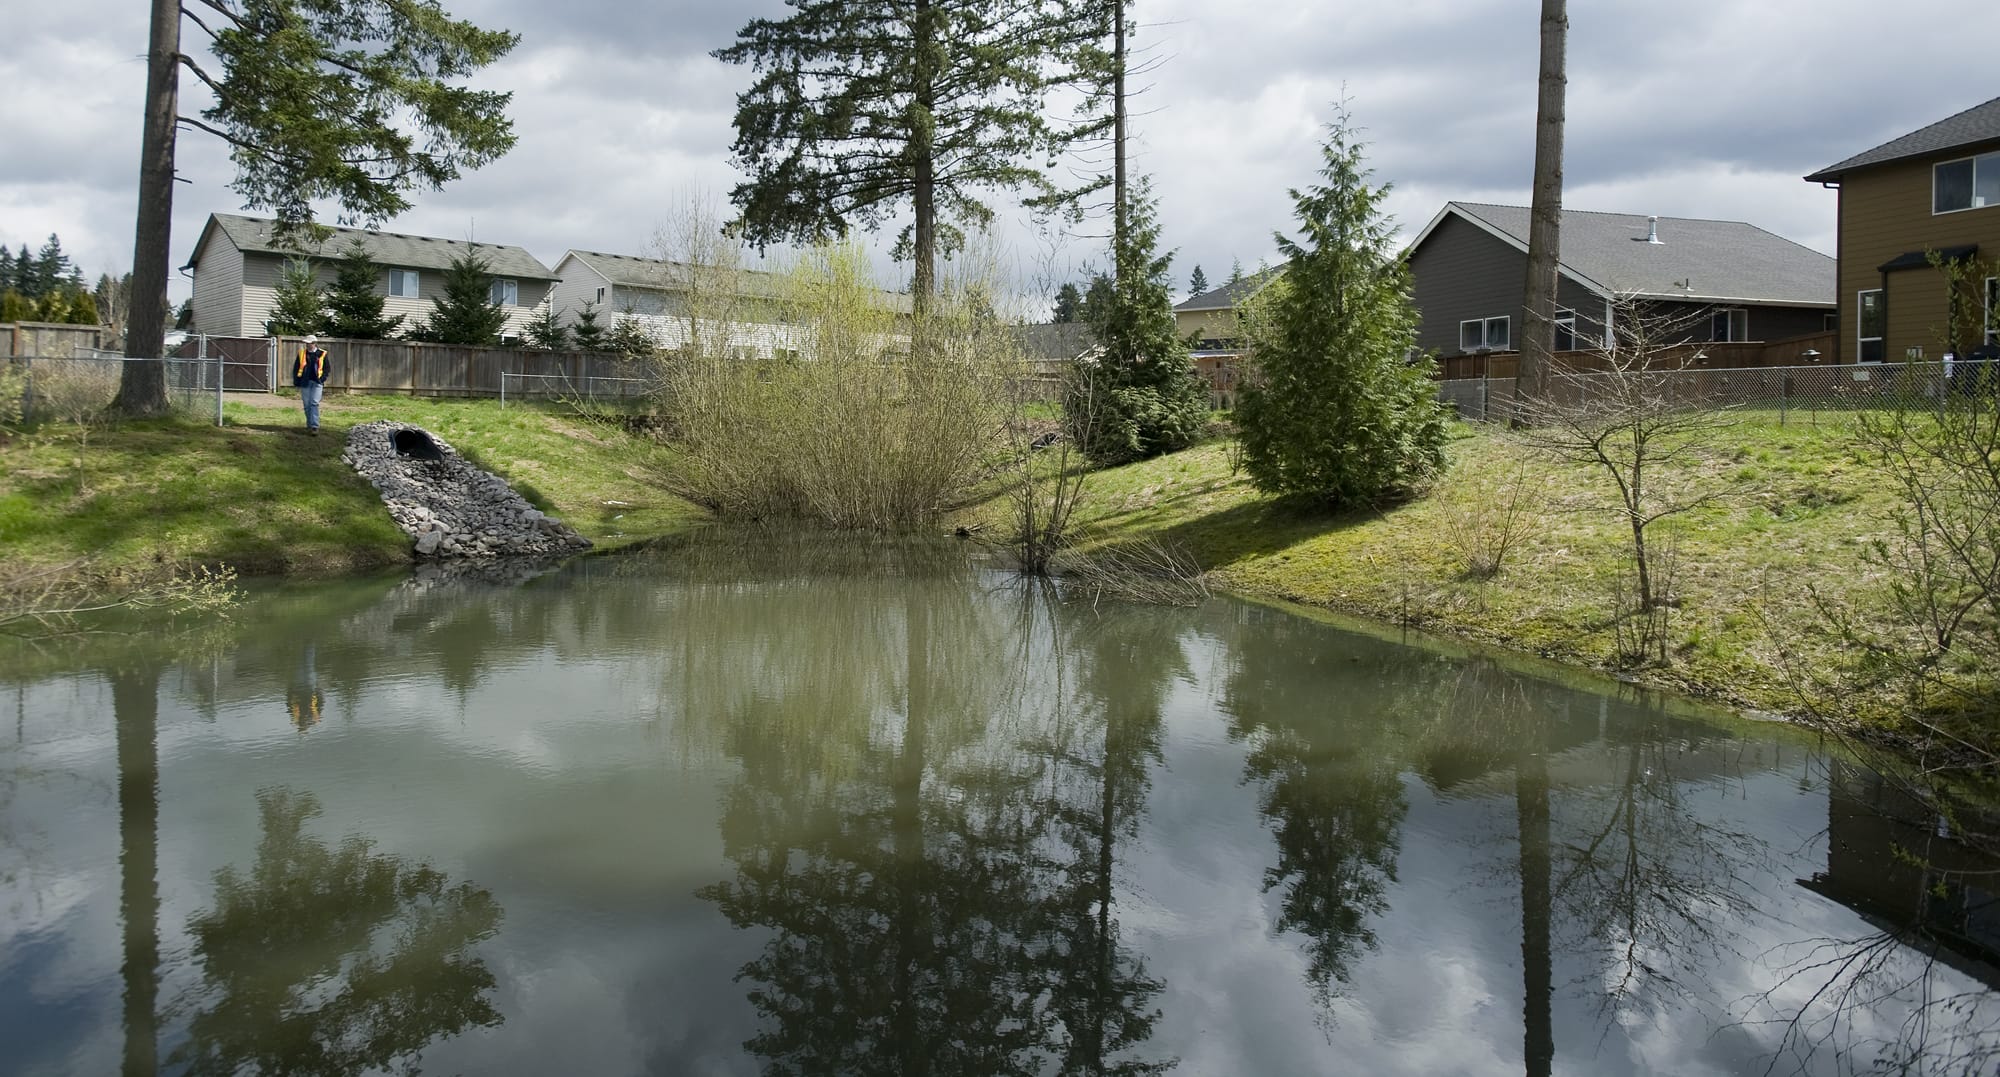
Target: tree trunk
x,y
1118,268
1531,812
142,386
1538,336
923,152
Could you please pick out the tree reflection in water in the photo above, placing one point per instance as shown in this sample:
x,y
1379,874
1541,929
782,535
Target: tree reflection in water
x,y
333,960
938,898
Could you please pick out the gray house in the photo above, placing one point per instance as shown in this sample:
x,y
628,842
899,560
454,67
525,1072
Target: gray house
x,y
237,262
1734,281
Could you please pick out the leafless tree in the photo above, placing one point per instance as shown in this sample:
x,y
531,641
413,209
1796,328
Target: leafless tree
x,y
1538,339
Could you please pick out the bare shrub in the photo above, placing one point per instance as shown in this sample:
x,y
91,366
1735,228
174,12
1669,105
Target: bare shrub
x,y
1147,571
1484,514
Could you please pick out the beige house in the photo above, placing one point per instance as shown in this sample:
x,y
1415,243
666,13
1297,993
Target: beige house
x,y
1208,322
238,260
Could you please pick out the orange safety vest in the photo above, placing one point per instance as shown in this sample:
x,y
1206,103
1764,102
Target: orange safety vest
x,y
317,356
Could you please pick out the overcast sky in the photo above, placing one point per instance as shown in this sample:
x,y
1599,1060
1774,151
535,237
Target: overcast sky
x,y
1702,108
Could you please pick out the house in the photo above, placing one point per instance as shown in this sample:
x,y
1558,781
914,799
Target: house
x,y
1208,322
1727,280
1934,190
238,260
657,293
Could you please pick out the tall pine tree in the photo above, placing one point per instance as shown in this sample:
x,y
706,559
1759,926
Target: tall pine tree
x,y
354,301
1334,409
352,102
300,306
1198,283
864,107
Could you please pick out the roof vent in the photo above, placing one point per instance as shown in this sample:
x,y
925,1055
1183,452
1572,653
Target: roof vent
x,y
1653,230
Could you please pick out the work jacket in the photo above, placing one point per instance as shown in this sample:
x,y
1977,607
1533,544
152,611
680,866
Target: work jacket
x,y
311,367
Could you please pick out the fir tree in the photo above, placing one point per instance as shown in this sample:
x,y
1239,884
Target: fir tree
x,y
15,307
300,307
544,331
1142,396
53,268
630,339
863,107
1335,410
465,313
1198,283
1069,302
354,301
1235,272
588,334
24,273
8,282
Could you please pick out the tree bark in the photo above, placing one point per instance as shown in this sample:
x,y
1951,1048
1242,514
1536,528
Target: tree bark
x,y
923,151
1531,812
135,704
1118,268
142,386
1538,334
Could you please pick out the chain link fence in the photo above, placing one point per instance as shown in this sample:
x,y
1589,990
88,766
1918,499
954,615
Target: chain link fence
x,y
78,389
1794,393
589,390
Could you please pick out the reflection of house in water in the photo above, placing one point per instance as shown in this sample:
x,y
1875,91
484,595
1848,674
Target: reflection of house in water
x,y
1893,858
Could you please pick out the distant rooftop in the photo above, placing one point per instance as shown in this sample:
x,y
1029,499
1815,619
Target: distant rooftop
x,y
1227,296
1697,259
663,274
259,235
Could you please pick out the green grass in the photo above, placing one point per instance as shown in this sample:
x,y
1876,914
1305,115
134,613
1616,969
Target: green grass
x,y
1796,510
260,496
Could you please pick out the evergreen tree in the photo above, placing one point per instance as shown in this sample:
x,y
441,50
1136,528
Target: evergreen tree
x,y
466,312
53,307
1235,272
15,307
544,331
630,339
300,306
1142,396
1198,283
354,300
1095,298
350,102
1069,302
588,334
864,106
1335,410
24,273
8,282
52,268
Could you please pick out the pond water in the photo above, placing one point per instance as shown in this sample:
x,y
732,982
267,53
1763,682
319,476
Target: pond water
x,y
849,808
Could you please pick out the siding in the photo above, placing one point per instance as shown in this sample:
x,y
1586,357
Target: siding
x,y
218,289
1886,212
1463,272
261,272
579,284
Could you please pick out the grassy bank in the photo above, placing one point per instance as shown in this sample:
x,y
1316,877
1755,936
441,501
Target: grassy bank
x,y
260,496
1796,507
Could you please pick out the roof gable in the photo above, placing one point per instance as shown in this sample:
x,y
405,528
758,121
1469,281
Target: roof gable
x,y
659,274
1976,125
258,235
1227,296
1696,259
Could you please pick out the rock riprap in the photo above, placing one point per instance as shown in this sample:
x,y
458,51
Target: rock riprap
x,y
449,508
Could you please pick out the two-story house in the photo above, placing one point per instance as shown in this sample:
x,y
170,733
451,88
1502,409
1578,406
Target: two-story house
x,y
1722,280
1934,192
1208,323
237,262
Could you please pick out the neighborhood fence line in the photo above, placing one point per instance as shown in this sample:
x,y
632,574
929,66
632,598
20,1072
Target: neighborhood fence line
x,y
79,389
563,387
1793,392
418,369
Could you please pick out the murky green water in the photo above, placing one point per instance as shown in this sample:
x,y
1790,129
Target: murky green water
x,y
872,811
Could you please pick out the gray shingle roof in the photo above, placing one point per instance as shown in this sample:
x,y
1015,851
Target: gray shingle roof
x,y
628,271
1980,123
1703,260
393,249
1227,296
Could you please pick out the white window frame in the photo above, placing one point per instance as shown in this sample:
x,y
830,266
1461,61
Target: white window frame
x,y
405,283
1990,159
600,296
1861,325
505,291
1735,328
1486,334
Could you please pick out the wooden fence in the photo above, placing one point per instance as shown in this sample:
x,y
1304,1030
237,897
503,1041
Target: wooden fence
x,y
49,340
401,366
1713,355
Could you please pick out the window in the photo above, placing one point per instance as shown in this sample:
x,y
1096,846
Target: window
x,y
505,293
600,295
403,282
1872,327
1483,335
1567,339
1726,325
1967,183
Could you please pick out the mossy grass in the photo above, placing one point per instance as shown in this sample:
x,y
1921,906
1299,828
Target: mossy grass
x,y
259,495
1798,508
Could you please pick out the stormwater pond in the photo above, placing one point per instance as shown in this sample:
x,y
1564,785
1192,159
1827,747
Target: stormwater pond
x,y
855,808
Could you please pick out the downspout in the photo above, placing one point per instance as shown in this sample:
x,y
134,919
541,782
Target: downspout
x,y
1610,331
